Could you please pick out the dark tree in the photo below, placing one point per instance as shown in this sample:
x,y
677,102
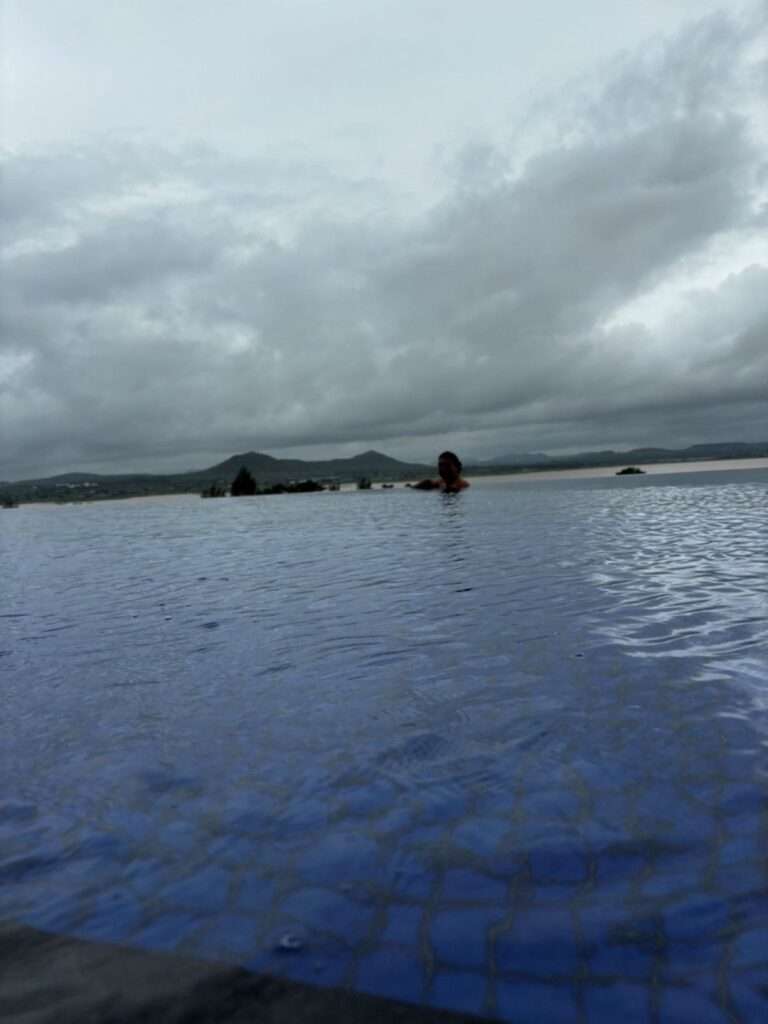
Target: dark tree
x,y
243,483
308,487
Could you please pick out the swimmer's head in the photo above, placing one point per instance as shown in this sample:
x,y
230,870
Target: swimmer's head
x,y
449,466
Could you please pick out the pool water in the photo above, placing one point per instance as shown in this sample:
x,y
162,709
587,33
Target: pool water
x,y
502,752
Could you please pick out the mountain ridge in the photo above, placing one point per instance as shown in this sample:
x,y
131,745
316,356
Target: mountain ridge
x,y
266,469
610,456
375,465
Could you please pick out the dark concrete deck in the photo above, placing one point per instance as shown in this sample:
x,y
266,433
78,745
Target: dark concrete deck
x,y
53,979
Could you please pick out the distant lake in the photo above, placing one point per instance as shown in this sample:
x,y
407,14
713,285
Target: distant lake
x,y
652,469
502,751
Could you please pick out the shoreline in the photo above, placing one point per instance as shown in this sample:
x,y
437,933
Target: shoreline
x,y
522,476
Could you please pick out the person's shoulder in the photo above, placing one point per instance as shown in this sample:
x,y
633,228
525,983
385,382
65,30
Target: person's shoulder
x,y
454,488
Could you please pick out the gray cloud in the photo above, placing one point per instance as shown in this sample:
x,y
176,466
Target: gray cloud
x,y
180,303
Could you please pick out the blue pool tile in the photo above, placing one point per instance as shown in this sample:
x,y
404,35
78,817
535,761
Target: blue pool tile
x,y
593,776
55,912
302,814
88,873
552,805
24,840
327,910
619,871
208,889
459,991
622,961
689,1006
749,993
539,942
395,820
740,848
424,837
444,808
340,856
752,909
403,924
642,929
409,877
393,973
20,867
147,878
138,826
17,811
674,880
111,917
676,817
736,765
232,935
608,823
167,932
747,877
610,1004
472,887
50,865
368,801
692,824
610,921
461,936
553,864
529,1002
553,897
233,849
180,837
696,918
686,957
160,782
246,797
532,832
256,894
251,822
505,865
318,958
103,845
481,836
323,966
743,805
751,948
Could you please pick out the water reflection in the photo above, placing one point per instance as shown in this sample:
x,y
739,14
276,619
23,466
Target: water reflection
x,y
456,540
682,570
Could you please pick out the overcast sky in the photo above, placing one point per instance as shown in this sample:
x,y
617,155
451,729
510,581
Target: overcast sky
x,y
310,228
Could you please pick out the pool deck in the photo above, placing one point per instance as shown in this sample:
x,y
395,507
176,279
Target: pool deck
x,y
53,979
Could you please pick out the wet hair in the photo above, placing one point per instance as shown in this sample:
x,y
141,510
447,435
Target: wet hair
x,y
452,457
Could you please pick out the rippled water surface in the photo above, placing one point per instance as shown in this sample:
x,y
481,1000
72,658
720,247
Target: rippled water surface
x,y
503,751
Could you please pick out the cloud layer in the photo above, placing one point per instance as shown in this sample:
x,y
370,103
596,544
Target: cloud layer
x,y
599,279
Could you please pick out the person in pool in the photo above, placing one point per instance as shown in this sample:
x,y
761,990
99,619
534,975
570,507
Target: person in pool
x,y
449,467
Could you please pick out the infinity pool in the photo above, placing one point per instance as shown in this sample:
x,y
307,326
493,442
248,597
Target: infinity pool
x,y
502,752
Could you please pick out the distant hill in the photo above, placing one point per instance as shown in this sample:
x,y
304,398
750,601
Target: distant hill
x,y
266,469
609,457
517,459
